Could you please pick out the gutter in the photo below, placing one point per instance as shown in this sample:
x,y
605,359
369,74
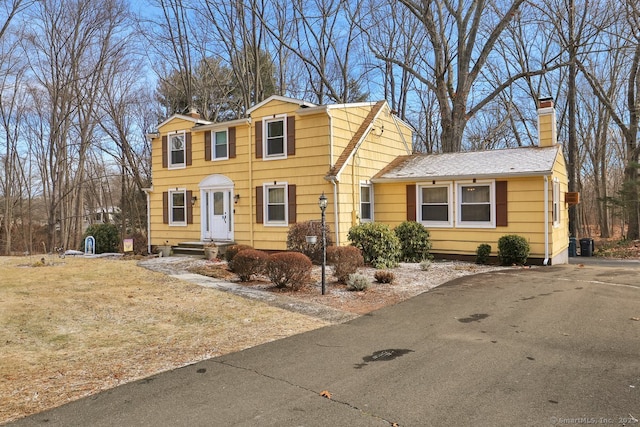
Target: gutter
x,y
546,221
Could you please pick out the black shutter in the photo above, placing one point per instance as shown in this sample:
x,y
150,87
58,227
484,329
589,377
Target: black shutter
x,y
259,139
259,205
411,202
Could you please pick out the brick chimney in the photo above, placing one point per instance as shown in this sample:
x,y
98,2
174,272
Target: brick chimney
x,y
547,133
193,112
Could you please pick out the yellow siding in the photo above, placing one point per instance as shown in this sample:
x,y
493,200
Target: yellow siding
x,y
525,211
306,169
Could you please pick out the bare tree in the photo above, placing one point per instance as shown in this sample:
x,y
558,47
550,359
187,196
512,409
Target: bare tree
x,y
622,36
172,33
68,45
461,38
322,37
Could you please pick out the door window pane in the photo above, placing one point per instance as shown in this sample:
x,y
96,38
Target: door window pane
x,y
218,203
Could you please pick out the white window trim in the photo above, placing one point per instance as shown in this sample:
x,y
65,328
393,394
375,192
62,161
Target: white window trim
x,y
184,149
265,137
213,144
435,224
170,207
556,202
492,205
265,204
366,184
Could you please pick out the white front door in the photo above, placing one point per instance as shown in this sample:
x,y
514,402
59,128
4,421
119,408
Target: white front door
x,y
217,214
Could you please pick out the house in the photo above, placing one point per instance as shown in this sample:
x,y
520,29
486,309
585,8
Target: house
x,y
247,180
470,198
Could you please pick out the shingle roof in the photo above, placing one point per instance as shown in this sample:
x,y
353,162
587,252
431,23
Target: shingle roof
x,y
524,161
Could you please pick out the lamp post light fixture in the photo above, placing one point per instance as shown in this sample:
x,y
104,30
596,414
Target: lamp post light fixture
x,y
322,202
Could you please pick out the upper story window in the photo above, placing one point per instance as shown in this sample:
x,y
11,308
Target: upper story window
x,y
436,209
220,145
275,141
476,206
177,150
366,203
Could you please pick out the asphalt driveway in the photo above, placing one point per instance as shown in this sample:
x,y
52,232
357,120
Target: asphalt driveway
x,y
541,346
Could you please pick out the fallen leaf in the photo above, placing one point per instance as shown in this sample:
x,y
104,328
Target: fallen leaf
x,y
325,393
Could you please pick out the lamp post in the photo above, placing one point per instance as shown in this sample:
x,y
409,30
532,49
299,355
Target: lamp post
x,y
322,202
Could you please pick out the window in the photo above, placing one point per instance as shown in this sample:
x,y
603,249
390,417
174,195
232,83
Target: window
x,y
276,204
178,207
366,203
435,206
220,145
275,140
556,202
177,148
475,205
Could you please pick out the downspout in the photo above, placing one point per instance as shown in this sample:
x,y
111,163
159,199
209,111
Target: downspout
x,y
146,192
336,215
546,221
251,191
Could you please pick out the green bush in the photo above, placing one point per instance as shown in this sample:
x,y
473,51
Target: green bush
x,y
232,250
379,244
107,237
247,263
345,261
513,249
297,239
289,269
414,241
425,264
482,253
357,282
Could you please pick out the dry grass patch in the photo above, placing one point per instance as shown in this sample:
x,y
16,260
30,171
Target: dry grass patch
x,y
77,326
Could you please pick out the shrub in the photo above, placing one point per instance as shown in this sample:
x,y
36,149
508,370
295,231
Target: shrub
x,y
513,249
414,241
107,237
379,244
232,250
345,260
248,262
384,276
297,241
357,282
425,264
289,268
482,253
